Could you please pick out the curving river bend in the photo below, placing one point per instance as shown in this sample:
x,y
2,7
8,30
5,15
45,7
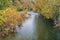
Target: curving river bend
x,y
35,28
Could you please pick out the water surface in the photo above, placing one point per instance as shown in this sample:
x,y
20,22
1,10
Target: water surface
x,y
35,28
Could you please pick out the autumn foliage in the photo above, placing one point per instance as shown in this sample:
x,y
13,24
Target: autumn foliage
x,y
12,13
10,18
46,7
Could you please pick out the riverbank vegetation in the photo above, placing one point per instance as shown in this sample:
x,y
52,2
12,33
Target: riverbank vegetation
x,y
14,12
50,9
47,8
11,14
9,18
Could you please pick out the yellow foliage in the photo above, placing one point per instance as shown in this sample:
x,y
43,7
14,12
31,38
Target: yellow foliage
x,y
46,7
13,17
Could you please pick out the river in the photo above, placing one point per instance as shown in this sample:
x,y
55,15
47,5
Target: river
x,y
35,28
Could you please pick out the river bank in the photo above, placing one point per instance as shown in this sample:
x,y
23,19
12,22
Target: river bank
x,y
13,17
35,28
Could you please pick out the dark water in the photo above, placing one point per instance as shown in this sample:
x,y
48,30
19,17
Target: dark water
x,y
35,28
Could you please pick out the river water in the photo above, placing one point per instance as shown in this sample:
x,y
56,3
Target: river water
x,y
35,28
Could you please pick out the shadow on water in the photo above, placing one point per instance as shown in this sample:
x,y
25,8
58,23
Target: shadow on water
x,y
45,30
35,28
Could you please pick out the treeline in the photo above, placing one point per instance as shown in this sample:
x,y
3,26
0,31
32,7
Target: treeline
x,y
18,4
48,8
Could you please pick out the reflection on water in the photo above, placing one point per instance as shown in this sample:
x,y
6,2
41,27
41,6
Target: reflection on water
x,y
35,28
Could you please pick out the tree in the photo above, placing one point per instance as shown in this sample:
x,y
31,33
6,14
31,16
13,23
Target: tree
x,y
46,7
